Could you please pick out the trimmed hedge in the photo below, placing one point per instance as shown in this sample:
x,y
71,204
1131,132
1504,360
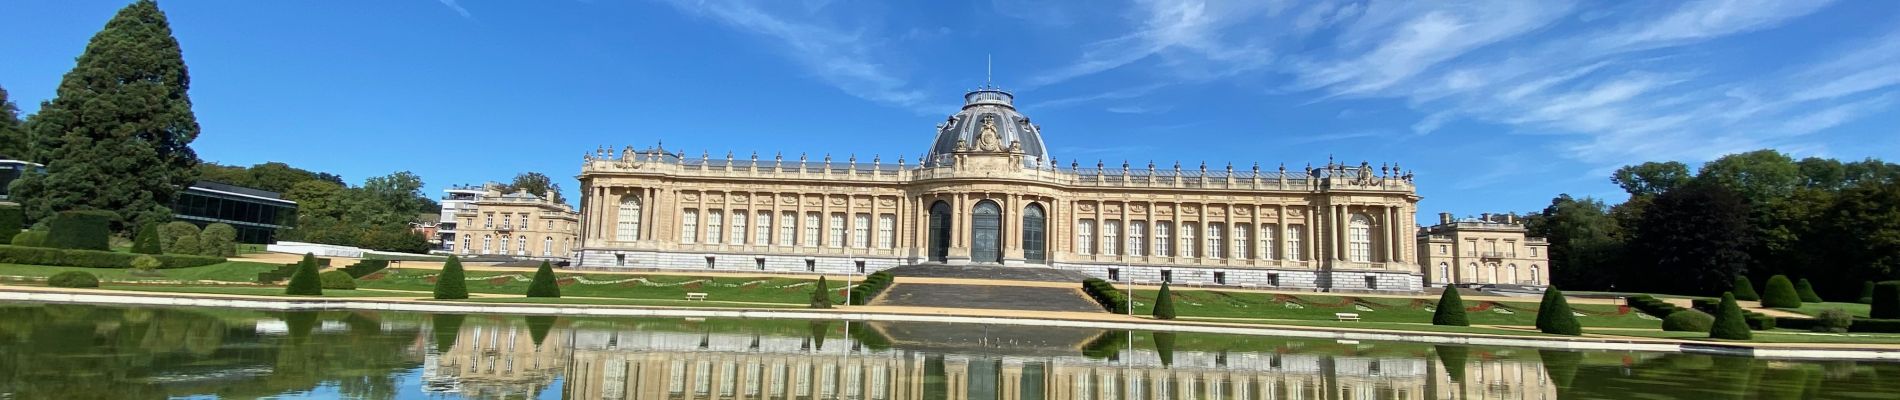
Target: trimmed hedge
x,y
1688,321
872,285
1754,320
543,284
73,279
29,239
1653,306
1779,293
1164,303
1745,290
84,229
338,280
1104,293
1806,291
12,219
1866,293
93,258
1729,322
169,234
1450,310
1873,325
1554,315
365,267
1886,301
273,276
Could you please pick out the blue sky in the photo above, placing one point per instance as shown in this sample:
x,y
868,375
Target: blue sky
x,y
1497,105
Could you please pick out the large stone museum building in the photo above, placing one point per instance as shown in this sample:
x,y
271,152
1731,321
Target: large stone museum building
x,y
988,191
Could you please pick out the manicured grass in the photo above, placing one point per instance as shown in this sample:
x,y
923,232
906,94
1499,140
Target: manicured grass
x,y
1770,336
626,302
1315,307
250,248
1815,309
229,271
254,291
655,287
406,257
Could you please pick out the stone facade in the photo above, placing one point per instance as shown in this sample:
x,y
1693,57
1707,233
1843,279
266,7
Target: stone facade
x,y
519,225
988,192
1493,249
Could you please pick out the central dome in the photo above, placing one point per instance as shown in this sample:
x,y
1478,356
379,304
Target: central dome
x,y
993,105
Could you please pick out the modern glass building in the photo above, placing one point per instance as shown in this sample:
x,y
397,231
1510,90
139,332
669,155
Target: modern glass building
x,y
256,214
11,170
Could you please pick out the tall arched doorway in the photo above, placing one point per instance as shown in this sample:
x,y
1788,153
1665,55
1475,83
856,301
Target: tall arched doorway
x,y
1035,234
940,231
986,233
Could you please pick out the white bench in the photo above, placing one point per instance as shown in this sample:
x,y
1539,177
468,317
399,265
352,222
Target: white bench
x,y
696,296
1346,316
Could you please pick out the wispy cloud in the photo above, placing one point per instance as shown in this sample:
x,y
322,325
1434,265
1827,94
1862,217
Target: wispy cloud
x,y
1328,137
1188,35
840,57
1139,109
457,7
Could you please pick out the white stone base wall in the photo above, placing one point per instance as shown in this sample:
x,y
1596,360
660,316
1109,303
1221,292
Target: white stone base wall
x,y
732,262
1257,278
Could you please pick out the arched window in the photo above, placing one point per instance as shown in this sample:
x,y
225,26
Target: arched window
x,y
689,230
629,220
861,231
764,231
488,242
1536,279
1359,236
788,229
835,231
715,226
521,246
506,242
1035,234
1444,273
886,231
466,244
547,246
811,229
1513,274
1470,274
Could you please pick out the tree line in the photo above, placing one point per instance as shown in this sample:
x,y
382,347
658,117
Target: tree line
x,y
1754,215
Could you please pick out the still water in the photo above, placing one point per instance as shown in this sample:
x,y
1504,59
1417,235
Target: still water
x,y
94,352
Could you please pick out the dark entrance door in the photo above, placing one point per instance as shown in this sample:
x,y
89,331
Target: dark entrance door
x,y
940,232
986,233
1034,234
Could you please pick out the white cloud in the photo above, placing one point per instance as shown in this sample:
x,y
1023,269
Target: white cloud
x,y
841,58
1191,29
457,7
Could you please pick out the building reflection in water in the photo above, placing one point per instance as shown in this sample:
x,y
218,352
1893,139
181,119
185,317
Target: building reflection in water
x,y
903,361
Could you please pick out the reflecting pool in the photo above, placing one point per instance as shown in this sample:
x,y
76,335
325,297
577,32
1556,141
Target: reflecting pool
x,y
95,352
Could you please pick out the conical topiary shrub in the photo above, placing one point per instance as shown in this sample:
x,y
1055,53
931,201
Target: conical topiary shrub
x,y
1554,317
543,284
1729,321
304,281
1806,291
1451,309
821,294
147,241
1164,303
538,327
1779,293
1745,290
1164,346
449,284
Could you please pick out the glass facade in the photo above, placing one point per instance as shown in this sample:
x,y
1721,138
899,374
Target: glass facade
x,y
256,214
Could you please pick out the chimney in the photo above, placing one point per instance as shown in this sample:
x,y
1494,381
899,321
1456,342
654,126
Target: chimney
x,y
1510,218
1486,217
1444,218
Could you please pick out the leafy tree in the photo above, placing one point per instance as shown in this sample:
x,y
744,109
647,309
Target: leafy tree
x,y
305,282
1450,310
821,294
450,283
1779,292
1693,240
534,183
148,239
1585,242
118,134
1806,291
392,199
1554,315
218,240
1760,176
317,199
169,235
1651,178
1729,321
1858,237
184,245
1164,303
543,284
1745,290
13,140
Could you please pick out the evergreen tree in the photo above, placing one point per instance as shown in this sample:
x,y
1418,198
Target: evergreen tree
x,y
305,282
1691,240
13,141
1554,317
1451,309
821,294
449,284
12,219
1779,293
543,284
1745,290
1164,303
1806,291
1729,321
147,240
118,134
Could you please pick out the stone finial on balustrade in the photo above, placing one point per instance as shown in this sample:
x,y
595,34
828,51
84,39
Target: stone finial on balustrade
x,y
1177,167
1074,166
628,152
1098,165
877,160
1256,168
1203,168
1151,167
755,158
1283,169
1230,168
705,157
610,152
853,161
900,161
827,162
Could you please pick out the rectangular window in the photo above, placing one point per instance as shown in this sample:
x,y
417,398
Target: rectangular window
x,y
1242,241
811,230
1163,243
764,229
1294,238
887,231
788,229
715,227
836,231
1372,283
1220,278
811,265
1214,248
689,231
759,262
738,227
1167,276
1111,231
861,231
1442,249
1114,274
1266,242
1137,232
711,261
620,260
1533,252
1273,279
507,221
1187,238
1085,236
488,221
860,265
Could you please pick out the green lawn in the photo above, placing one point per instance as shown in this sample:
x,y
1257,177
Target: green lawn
x,y
1815,309
653,287
229,271
254,291
406,257
628,302
1769,336
1316,307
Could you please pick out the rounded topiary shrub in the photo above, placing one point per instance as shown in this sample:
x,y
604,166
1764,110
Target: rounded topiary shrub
x,y
1729,321
30,239
338,280
171,232
1805,290
1688,321
73,279
1745,290
147,240
1554,315
88,229
1779,293
218,240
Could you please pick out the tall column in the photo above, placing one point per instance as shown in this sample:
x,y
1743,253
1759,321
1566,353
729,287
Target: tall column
x,y
1392,233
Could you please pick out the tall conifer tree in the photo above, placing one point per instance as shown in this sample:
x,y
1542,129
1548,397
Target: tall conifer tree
x,y
118,134
13,143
